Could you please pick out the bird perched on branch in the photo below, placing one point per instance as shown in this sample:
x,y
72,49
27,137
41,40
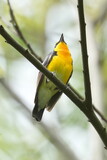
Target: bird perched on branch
x,y
60,63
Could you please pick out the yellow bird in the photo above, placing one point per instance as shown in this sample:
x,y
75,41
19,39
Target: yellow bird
x,y
60,63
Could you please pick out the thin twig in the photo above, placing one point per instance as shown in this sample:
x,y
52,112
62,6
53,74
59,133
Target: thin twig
x,y
88,97
20,34
54,138
65,89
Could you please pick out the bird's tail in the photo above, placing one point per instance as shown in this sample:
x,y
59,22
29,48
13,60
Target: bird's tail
x,y
37,114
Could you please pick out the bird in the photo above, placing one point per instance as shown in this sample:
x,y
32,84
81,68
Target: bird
x,y
60,63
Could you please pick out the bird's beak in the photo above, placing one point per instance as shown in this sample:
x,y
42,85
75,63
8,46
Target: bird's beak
x,y
62,38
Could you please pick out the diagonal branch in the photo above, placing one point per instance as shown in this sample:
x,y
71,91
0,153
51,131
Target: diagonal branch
x,y
88,97
65,89
20,34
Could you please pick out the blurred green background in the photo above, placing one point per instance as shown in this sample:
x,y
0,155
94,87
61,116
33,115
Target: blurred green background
x,y
64,133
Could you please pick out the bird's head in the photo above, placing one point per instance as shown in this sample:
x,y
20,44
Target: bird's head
x,y
61,45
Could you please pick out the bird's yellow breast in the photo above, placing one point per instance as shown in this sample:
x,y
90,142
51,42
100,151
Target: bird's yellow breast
x,y
61,66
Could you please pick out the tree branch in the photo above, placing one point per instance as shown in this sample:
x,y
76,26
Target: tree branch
x,y
88,97
20,34
79,103
56,139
